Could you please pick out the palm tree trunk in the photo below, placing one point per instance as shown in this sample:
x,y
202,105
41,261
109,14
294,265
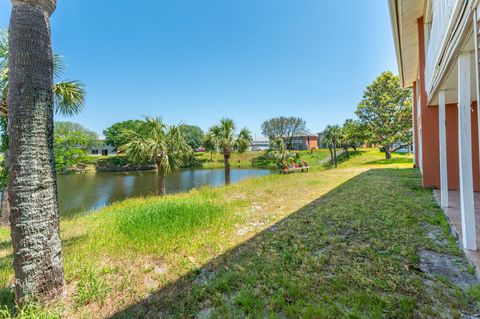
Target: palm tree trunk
x,y
161,180
335,155
226,157
4,218
5,211
32,189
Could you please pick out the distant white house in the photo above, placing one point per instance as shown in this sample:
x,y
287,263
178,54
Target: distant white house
x,y
260,145
102,150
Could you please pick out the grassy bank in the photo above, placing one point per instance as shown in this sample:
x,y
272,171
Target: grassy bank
x,y
204,160
257,159
339,242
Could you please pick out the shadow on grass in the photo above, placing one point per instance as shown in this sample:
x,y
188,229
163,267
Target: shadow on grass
x,y
344,254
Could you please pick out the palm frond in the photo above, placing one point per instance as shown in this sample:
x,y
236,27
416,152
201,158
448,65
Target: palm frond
x,y
3,49
69,97
223,137
242,143
136,147
59,65
157,142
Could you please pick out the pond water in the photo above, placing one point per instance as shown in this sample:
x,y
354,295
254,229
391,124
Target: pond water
x,y
79,193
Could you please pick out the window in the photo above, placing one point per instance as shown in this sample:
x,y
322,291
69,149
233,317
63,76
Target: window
x,y
94,152
104,152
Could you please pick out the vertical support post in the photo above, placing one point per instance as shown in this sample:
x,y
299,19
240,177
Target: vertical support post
x,y
419,128
414,125
443,150
469,235
477,75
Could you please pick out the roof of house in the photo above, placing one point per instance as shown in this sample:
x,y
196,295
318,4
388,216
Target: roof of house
x,y
307,134
404,15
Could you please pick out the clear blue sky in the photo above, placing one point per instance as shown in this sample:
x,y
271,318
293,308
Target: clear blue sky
x,y
198,61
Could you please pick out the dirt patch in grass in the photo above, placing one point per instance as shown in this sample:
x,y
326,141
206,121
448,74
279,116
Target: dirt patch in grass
x,y
452,268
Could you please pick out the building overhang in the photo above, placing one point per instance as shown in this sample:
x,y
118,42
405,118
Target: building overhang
x,y
404,15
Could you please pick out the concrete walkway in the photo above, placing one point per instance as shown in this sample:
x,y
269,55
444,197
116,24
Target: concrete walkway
x,y
454,217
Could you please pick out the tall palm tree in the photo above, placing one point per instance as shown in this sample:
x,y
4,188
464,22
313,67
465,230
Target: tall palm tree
x,y
32,189
332,137
223,135
69,99
162,144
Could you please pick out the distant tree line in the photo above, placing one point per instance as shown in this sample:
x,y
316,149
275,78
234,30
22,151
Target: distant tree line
x,y
193,134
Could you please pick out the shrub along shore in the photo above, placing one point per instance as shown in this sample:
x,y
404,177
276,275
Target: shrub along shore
x,y
329,243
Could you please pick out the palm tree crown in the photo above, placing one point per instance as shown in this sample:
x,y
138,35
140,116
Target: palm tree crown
x,y
224,138
332,136
223,135
165,145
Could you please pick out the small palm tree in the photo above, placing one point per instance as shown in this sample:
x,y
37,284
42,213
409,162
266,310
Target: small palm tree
x,y
277,149
209,144
332,137
223,136
69,95
165,145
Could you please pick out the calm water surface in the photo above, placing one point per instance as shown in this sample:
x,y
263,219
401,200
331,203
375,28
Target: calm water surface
x,y
79,193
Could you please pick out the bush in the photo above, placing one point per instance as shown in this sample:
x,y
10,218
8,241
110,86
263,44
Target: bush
x,y
165,222
118,160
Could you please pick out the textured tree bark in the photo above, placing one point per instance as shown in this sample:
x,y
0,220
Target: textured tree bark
x,y
5,214
32,189
226,157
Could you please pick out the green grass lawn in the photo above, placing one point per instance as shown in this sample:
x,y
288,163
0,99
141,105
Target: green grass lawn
x,y
331,243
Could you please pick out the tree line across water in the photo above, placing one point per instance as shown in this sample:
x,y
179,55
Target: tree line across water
x,y
383,120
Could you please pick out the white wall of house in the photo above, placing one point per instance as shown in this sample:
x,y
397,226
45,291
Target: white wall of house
x,y
102,150
260,145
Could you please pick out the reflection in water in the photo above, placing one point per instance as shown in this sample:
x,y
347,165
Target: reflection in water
x,y
84,192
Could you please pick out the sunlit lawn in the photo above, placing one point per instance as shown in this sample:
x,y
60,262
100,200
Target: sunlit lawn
x,y
329,243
